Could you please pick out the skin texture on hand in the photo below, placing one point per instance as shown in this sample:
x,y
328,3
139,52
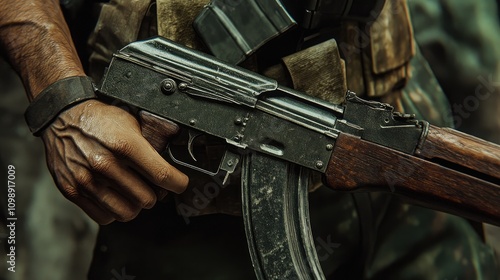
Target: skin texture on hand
x,y
95,152
98,158
38,43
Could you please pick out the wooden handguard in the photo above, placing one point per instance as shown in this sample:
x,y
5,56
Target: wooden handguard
x,y
472,192
455,147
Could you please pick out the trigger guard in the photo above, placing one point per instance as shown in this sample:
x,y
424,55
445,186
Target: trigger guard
x,y
194,167
192,137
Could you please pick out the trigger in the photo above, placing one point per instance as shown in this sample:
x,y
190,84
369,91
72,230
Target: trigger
x,y
192,136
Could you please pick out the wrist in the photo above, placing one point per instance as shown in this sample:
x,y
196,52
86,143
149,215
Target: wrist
x,y
56,98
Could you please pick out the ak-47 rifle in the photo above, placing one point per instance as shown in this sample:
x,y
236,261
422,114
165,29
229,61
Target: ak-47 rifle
x,y
358,146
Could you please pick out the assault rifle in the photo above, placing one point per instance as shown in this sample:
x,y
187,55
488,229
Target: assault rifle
x,y
277,135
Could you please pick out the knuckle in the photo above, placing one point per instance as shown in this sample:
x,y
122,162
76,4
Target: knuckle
x,y
100,163
121,210
122,146
83,179
148,202
70,193
163,176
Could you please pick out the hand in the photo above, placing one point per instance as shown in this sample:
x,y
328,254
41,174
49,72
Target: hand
x,y
100,161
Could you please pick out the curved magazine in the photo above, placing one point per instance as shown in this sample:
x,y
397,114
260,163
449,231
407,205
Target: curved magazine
x,y
276,215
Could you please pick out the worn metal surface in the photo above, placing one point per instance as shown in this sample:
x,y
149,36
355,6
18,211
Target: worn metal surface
x,y
276,215
380,124
249,111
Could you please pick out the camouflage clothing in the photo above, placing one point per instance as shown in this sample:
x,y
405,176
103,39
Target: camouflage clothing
x,y
463,36
469,47
358,236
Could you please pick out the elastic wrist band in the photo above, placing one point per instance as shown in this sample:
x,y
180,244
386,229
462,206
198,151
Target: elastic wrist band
x,y
55,98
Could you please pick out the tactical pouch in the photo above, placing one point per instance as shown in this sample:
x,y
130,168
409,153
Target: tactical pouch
x,y
318,71
175,21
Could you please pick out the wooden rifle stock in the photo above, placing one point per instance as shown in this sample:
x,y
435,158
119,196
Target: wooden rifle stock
x,y
451,172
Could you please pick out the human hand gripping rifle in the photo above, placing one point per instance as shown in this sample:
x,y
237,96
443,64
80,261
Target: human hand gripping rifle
x,y
359,146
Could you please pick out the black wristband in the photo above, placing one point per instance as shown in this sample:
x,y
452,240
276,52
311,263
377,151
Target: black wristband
x,y
55,98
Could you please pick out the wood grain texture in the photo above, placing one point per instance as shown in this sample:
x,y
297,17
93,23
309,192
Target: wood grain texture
x,y
157,130
359,165
462,149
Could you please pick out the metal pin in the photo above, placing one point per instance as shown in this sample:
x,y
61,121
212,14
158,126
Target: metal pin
x,y
319,164
168,86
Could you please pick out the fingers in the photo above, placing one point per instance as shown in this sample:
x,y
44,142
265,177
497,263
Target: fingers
x,y
102,163
99,215
109,200
119,199
160,193
100,201
144,159
127,183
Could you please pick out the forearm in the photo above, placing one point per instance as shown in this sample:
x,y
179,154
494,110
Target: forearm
x,y
37,42
95,152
